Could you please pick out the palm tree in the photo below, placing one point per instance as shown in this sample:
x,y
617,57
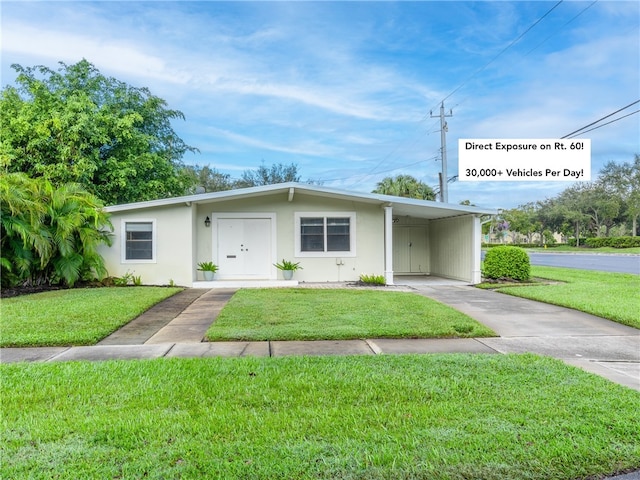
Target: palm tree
x,y
50,234
21,242
405,186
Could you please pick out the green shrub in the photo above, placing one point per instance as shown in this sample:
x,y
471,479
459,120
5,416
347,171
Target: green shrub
x,y
373,279
572,242
615,242
507,262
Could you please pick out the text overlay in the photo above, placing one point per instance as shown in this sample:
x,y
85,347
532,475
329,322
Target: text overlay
x,y
509,160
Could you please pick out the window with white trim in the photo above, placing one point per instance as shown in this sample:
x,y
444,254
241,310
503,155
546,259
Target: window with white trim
x,y
138,241
329,234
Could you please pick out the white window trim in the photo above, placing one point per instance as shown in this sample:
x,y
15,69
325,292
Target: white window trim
x,y
123,240
352,234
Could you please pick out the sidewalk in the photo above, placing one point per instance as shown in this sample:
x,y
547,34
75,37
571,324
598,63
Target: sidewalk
x,y
599,346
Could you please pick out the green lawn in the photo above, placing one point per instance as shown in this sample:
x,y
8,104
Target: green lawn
x,y
312,314
431,417
73,317
615,296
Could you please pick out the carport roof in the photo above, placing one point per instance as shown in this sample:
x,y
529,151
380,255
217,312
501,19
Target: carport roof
x,y
401,206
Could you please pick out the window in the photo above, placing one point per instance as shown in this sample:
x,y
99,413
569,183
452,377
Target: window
x,y
325,234
139,241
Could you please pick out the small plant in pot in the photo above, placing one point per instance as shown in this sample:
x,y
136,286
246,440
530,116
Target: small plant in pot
x,y
208,269
287,268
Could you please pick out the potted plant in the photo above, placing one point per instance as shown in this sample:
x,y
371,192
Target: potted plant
x,y
208,269
287,268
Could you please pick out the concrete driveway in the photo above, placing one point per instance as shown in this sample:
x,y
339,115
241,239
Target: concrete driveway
x,y
597,345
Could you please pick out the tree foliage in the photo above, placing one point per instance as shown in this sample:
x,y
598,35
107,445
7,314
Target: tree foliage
x,y
76,125
263,175
207,178
588,209
405,186
623,181
49,234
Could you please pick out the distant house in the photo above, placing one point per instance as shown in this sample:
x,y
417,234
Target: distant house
x,y
335,235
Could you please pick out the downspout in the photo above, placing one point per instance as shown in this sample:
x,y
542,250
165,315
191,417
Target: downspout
x,y
388,244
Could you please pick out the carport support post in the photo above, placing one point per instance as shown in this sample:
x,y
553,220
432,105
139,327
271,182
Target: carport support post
x,y
388,245
476,253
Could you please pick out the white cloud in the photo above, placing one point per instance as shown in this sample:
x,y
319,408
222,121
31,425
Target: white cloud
x,y
343,87
113,55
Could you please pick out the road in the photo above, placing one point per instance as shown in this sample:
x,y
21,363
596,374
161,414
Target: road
x,y
601,262
587,261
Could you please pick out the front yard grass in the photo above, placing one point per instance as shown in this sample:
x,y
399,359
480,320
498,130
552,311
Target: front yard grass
x,y
615,296
451,417
81,316
338,314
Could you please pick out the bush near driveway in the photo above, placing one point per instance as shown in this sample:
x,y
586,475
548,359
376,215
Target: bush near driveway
x,y
507,262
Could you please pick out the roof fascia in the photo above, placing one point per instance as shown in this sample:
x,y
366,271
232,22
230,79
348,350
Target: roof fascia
x,y
304,188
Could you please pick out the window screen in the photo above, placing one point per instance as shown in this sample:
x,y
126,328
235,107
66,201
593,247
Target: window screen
x,y
139,241
325,234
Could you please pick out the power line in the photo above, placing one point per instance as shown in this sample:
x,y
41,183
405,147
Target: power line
x,y
359,175
477,72
554,33
502,51
612,121
600,119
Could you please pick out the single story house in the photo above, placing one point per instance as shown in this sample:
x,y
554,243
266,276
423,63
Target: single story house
x,y
335,235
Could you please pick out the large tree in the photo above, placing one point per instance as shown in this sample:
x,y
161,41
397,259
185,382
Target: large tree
x,y
263,175
405,186
623,181
76,125
524,220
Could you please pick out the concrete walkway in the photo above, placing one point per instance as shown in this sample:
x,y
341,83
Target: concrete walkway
x,y
176,327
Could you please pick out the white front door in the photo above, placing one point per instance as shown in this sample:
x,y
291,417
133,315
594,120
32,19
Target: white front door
x,y
243,247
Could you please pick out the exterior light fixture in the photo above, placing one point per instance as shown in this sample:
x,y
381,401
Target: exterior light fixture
x,y
207,222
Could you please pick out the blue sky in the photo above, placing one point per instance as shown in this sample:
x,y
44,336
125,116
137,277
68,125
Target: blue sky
x,y
344,89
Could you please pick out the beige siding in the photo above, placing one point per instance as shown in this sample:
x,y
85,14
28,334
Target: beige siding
x,y
368,230
452,247
173,236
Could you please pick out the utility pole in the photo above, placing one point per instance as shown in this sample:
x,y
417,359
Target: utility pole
x,y
444,188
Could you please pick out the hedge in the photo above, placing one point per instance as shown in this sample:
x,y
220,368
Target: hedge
x,y
507,262
615,242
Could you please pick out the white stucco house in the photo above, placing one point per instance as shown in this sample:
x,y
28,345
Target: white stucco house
x,y
335,235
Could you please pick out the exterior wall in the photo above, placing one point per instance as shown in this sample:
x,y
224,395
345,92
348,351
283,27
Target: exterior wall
x,y
447,247
173,238
453,248
369,235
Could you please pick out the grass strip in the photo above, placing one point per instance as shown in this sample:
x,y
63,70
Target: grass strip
x,y
615,296
435,417
338,314
80,316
